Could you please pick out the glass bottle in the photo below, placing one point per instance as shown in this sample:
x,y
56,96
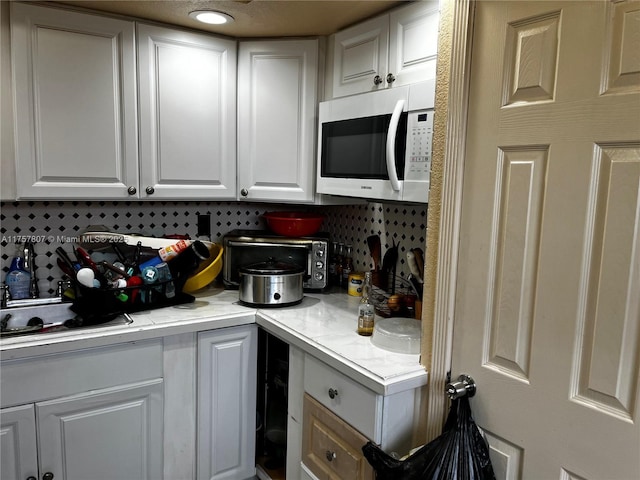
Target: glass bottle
x,y
333,261
339,264
347,266
366,310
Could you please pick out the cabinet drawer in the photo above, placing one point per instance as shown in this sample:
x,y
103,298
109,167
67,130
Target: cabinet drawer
x,y
357,405
50,376
331,449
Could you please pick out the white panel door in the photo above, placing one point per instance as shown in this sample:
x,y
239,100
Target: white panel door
x,y
547,316
187,114
360,55
114,433
75,104
413,43
277,97
226,411
18,447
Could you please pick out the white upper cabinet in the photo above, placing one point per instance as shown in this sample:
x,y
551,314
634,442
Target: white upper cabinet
x,y
187,114
277,100
75,104
395,49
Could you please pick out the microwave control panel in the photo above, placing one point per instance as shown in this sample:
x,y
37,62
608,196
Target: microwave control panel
x,y
417,165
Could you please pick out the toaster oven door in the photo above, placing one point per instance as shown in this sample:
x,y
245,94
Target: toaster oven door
x,y
243,254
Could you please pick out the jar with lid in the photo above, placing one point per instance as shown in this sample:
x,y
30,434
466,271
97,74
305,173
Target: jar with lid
x,y
366,310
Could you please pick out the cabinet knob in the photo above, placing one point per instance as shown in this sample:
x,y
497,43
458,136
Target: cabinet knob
x,y
333,393
132,190
330,455
377,80
244,192
32,478
47,476
390,78
149,190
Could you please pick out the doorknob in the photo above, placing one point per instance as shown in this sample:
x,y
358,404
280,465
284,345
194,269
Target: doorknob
x,y
464,386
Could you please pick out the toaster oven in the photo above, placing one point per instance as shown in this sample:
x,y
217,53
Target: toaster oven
x,y
247,247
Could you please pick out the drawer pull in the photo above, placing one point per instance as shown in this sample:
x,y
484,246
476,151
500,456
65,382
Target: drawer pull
x,y
333,393
330,455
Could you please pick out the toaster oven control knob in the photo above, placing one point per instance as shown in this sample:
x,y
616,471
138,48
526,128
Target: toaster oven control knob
x,y
391,78
318,276
320,253
319,265
377,80
132,190
244,192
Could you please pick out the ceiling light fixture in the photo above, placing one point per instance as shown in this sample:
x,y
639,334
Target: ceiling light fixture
x,y
211,17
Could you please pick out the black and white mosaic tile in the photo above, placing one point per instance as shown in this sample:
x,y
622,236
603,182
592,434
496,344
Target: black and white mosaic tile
x,y
50,224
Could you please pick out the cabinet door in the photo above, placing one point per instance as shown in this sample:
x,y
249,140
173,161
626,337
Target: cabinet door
x,y
75,101
277,96
360,57
226,414
187,114
413,43
114,433
18,448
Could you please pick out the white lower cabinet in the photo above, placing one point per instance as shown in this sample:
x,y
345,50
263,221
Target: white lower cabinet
x,y
71,419
339,416
226,403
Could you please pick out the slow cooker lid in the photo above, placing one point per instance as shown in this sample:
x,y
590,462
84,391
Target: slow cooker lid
x,y
272,267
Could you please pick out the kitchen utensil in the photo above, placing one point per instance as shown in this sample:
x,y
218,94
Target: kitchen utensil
x,y
66,268
375,250
208,269
85,276
65,258
390,258
97,240
271,283
294,224
413,266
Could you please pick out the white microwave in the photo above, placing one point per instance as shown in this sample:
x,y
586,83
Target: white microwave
x,y
377,145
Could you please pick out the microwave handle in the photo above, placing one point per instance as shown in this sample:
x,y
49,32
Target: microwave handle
x,y
391,145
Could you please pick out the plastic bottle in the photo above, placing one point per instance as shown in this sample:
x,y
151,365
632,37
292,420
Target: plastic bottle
x,y
18,279
366,310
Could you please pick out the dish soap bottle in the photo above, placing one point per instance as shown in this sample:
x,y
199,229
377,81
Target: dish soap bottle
x,y
366,311
18,279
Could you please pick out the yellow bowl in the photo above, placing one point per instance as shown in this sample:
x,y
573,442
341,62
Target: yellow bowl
x,y
207,271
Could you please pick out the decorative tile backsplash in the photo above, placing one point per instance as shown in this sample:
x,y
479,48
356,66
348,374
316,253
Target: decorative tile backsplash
x,y
51,224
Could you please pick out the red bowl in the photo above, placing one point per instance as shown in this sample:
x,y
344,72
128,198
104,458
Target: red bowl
x,y
294,224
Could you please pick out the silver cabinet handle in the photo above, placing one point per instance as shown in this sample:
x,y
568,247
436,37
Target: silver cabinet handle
x,y
132,190
150,190
244,192
333,393
391,78
377,80
330,455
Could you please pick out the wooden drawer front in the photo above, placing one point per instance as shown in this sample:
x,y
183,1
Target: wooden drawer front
x,y
357,405
331,449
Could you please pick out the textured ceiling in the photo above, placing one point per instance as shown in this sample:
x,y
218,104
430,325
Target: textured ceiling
x,y
253,18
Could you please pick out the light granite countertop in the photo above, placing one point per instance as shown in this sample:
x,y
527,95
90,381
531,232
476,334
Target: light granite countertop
x,y
322,325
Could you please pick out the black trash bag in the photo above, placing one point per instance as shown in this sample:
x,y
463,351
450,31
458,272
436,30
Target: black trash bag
x,y
459,453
